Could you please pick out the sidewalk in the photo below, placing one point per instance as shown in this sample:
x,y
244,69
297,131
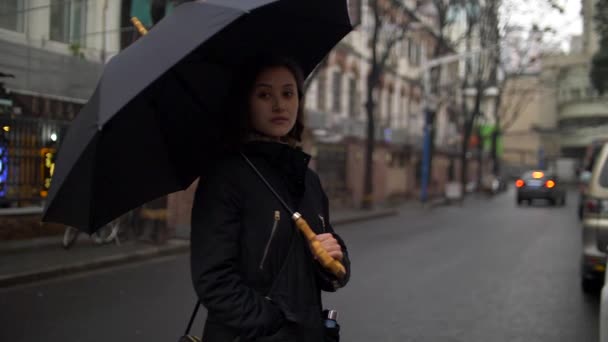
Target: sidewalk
x,y
33,260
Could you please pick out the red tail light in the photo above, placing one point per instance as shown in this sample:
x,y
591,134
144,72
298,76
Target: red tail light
x,y
550,184
593,206
519,183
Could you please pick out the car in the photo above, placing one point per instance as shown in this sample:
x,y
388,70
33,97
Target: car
x,y
604,313
539,184
583,183
584,174
595,225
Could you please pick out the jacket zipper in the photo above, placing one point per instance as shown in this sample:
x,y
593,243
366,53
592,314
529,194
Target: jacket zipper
x,y
277,218
322,222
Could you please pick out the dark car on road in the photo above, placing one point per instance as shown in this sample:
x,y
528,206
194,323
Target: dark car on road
x,y
540,185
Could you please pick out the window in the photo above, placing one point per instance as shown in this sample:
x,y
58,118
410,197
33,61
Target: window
x,y
575,94
404,111
404,47
337,92
413,52
389,108
353,107
35,105
604,175
68,21
410,50
11,15
321,90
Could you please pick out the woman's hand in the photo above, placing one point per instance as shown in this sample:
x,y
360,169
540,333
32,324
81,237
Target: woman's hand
x,y
330,245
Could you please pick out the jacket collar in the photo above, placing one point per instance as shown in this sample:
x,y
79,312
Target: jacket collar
x,y
290,162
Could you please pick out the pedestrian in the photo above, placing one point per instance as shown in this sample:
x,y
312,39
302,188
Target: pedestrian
x,y
251,268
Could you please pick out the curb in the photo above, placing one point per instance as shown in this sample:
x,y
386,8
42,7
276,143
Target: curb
x,y
439,202
8,247
175,247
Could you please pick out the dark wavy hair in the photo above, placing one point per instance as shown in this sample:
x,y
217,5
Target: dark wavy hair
x,y
237,126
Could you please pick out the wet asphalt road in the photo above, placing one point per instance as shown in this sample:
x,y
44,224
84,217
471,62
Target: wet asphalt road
x,y
487,271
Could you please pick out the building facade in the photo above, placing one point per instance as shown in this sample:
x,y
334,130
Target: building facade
x,y
52,53
578,113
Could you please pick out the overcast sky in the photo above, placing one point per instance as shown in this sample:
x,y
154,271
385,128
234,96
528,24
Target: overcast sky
x,y
528,12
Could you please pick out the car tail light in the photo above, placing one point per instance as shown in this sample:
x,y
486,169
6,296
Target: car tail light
x,y
538,175
593,206
550,184
519,183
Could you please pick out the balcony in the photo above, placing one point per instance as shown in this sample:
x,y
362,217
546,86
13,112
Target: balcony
x,y
582,137
575,104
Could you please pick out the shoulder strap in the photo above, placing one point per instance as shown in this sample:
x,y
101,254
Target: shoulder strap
x,y
193,316
289,210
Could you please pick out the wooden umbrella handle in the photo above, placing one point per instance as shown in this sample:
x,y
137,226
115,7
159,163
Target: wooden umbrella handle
x,y
139,26
326,260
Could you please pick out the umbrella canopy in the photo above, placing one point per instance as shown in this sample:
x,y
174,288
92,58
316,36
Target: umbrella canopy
x,y
144,131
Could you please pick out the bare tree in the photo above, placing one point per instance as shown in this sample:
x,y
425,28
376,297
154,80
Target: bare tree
x,y
391,22
477,69
524,47
439,12
483,74
482,39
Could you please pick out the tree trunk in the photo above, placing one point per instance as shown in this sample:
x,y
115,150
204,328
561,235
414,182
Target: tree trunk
x,y
495,157
479,158
463,161
432,146
368,185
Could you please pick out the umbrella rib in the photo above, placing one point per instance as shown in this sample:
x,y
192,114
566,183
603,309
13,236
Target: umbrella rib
x,y
165,138
92,202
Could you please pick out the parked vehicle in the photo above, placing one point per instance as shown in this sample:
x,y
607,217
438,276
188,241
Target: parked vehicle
x,y
595,225
603,321
565,169
584,176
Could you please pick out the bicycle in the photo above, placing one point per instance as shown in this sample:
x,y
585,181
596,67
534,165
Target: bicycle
x,y
105,235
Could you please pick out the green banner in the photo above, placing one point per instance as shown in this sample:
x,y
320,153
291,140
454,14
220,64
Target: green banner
x,y
486,137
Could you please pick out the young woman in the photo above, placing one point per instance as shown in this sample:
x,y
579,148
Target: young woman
x,y
251,267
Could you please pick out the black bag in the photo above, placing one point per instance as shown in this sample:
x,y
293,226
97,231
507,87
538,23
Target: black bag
x,y
332,334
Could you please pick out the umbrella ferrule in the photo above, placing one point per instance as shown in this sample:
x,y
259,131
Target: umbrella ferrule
x,y
296,216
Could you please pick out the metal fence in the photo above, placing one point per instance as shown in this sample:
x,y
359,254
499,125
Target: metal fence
x,y
331,167
28,148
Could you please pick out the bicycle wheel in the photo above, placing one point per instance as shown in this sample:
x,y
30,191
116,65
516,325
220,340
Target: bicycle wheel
x,y
70,235
107,233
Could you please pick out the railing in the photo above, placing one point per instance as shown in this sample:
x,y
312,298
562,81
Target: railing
x,y
28,147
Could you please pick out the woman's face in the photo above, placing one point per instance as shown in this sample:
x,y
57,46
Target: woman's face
x,y
274,102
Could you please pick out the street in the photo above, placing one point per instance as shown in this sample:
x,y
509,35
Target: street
x,y
487,271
